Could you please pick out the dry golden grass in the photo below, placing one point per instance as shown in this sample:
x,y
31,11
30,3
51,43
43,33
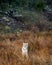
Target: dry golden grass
x,y
40,48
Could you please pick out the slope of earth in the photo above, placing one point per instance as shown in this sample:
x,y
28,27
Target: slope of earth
x,y
39,48
24,21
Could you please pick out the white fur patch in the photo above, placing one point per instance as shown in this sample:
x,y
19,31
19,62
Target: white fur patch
x,y
25,49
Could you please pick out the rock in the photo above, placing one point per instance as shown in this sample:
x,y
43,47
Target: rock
x,y
7,27
5,19
18,15
48,12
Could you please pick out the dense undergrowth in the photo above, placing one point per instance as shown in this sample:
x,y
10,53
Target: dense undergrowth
x,y
29,20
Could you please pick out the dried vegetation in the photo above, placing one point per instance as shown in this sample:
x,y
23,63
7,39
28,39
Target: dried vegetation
x,y
40,48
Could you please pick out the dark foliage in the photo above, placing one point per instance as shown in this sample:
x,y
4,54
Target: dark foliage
x,y
28,4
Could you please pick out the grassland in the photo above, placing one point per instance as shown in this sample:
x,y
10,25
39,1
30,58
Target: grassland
x,y
39,50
